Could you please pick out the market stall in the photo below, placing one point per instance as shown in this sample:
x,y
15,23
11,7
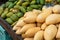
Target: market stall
x,y
31,19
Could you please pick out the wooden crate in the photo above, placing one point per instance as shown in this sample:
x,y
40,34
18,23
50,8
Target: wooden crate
x,y
8,28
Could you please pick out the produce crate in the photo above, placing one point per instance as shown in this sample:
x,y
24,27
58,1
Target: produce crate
x,y
7,27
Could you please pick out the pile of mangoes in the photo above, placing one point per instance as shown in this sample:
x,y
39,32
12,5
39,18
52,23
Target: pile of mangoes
x,y
12,10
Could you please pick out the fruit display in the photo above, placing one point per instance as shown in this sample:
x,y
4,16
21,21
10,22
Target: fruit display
x,y
39,24
33,19
12,10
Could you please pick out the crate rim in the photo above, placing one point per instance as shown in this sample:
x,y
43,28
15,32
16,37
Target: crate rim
x,y
8,28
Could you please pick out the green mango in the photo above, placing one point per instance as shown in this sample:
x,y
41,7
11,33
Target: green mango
x,y
11,5
33,2
25,4
40,7
29,9
34,6
11,0
42,2
26,0
14,17
9,20
15,2
8,3
19,2
23,10
4,13
19,14
38,1
17,6
1,10
14,10
9,14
